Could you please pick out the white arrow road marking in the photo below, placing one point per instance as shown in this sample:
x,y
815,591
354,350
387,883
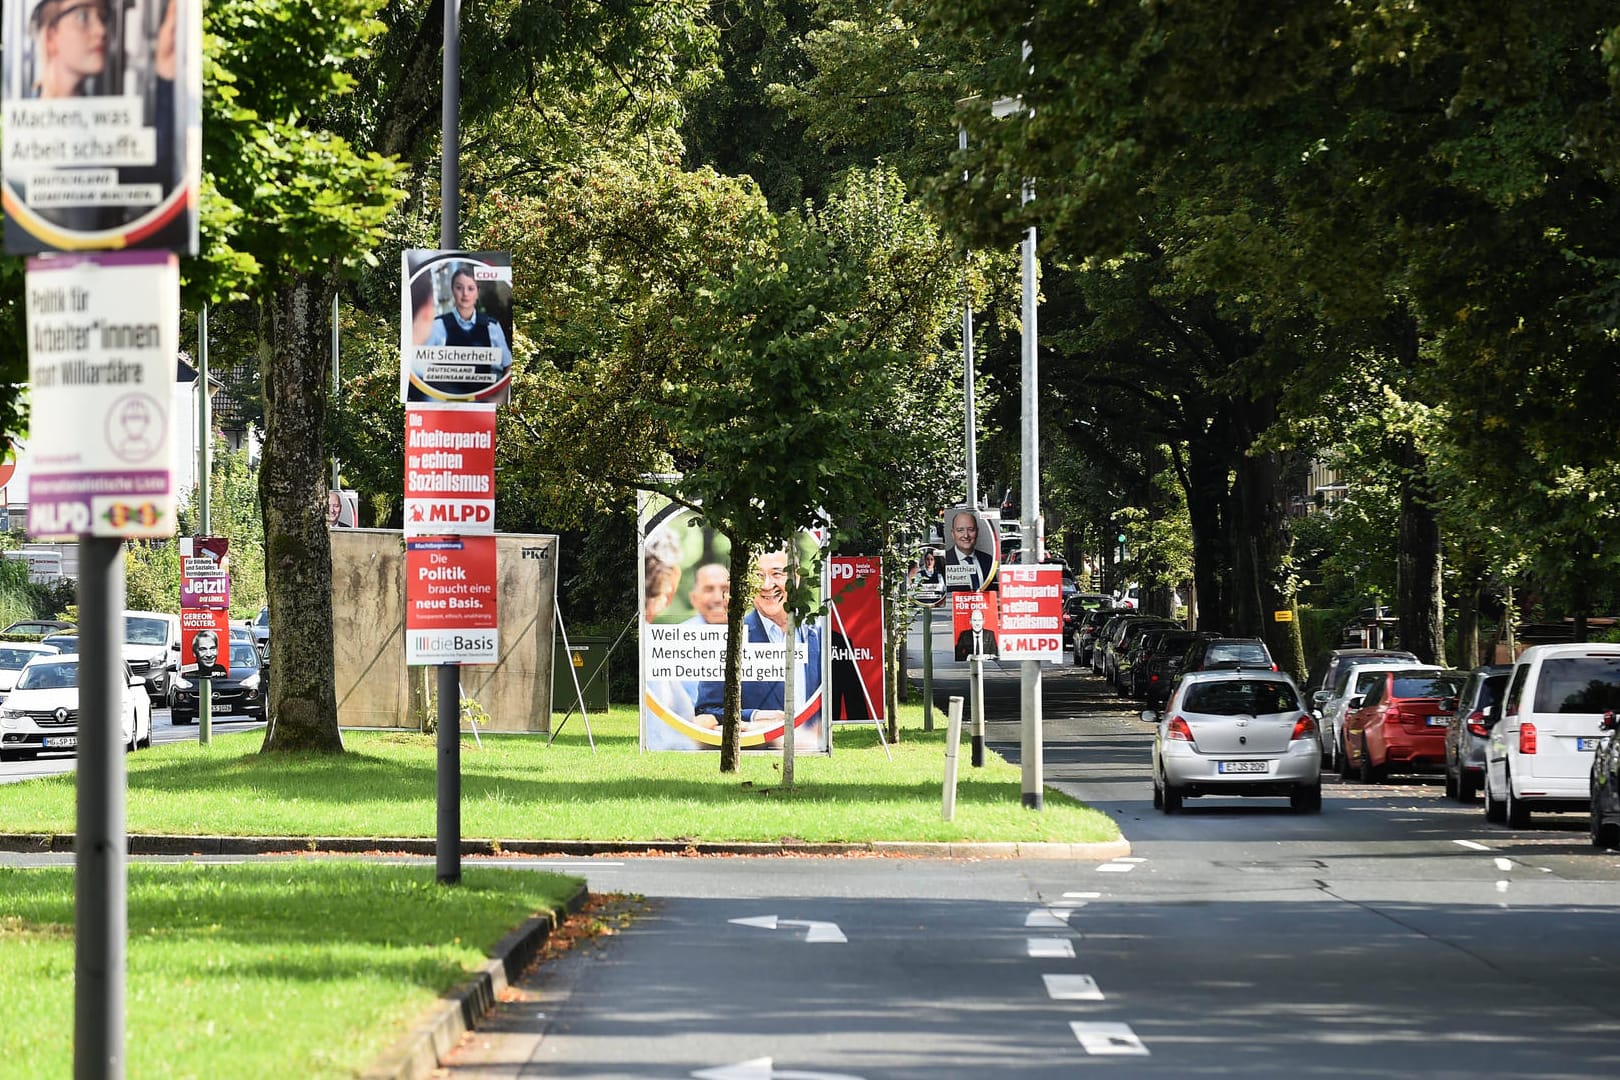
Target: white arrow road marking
x,y
819,932
1100,1039
1047,948
1072,988
760,1069
1048,918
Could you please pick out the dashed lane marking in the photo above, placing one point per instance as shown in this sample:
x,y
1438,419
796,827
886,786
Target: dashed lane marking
x,y
1049,948
1072,988
1473,844
1048,918
1108,1039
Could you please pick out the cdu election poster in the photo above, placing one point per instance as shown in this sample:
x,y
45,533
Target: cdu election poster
x,y
455,327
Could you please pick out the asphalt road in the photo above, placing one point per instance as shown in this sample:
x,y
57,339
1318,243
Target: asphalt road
x,y
163,731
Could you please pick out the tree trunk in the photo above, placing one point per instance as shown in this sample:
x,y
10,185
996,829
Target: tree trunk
x,y
1468,652
1421,599
296,364
742,561
1206,498
790,699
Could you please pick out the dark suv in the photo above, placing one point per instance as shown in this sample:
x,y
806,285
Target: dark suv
x,y
1159,668
1469,727
1227,653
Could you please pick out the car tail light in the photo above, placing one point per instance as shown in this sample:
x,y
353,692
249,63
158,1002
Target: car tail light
x,y
1476,723
1527,738
1273,667
1178,730
1153,678
1304,727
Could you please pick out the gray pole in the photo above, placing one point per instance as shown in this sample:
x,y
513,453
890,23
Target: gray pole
x,y
1030,745
336,479
975,668
205,470
928,667
448,844
100,865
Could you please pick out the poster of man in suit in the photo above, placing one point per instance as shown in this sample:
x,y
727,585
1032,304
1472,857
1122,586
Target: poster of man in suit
x,y
972,549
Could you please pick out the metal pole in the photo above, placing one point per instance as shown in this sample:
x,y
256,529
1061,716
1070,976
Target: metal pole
x,y
205,487
977,689
1030,748
953,736
928,667
449,743
100,865
337,484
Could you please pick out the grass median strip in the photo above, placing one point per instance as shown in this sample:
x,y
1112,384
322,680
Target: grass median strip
x,y
308,969
516,787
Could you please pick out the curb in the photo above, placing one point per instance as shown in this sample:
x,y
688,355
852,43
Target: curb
x,y
159,844
439,1029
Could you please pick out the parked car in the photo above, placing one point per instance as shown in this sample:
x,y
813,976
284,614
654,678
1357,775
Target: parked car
x,y
37,627
1227,653
1158,676
1325,673
1115,624
62,641
1400,725
14,655
1605,784
1149,643
241,695
1124,640
42,712
1538,754
1075,606
152,651
1236,733
261,632
1356,679
1469,728
1085,634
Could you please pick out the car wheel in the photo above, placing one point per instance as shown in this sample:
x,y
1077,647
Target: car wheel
x,y
1306,800
1370,773
1467,787
1172,799
1158,799
1516,812
1347,768
1451,785
1604,834
1495,812
178,718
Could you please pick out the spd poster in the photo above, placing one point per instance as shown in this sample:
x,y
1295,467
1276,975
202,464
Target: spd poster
x,y
855,640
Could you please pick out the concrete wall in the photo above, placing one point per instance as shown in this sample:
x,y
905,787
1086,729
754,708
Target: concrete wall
x,y
374,687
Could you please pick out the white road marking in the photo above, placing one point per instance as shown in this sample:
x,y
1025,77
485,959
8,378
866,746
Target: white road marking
x,y
1103,1039
1503,865
1116,868
1048,918
818,932
1082,896
1072,988
760,1069
1474,844
1130,859
1049,948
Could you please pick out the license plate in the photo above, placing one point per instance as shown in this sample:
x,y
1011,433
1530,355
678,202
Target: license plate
x,y
224,708
60,742
1242,767
1591,743
1437,721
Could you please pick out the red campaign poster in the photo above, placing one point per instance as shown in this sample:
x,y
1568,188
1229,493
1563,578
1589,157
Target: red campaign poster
x,y
205,573
973,624
205,643
449,470
1032,613
856,639
450,588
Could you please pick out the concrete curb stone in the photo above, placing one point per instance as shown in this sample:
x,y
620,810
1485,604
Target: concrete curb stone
x,y
435,1033
176,845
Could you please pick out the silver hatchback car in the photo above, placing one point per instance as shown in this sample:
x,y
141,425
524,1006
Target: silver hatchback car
x,y
1236,733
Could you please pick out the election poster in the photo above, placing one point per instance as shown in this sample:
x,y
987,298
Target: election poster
x,y
449,470
1031,615
103,331
205,606
855,644
455,327
972,549
450,589
102,140
685,585
205,643
974,619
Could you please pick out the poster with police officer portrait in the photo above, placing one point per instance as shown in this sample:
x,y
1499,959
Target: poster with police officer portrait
x,y
103,125
455,337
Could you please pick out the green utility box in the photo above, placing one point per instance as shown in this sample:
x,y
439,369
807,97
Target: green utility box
x,y
586,658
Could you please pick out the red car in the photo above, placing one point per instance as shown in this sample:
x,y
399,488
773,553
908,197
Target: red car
x,y
1400,724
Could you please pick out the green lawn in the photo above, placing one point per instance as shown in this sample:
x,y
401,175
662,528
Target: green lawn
x,y
308,969
516,787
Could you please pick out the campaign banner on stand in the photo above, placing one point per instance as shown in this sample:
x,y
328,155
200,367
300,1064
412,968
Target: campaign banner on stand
x,y
855,643
449,470
205,643
103,331
205,573
455,327
974,617
450,588
102,144
1031,614
685,585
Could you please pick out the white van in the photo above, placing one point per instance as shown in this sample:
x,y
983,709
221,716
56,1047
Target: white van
x,y
1539,754
152,650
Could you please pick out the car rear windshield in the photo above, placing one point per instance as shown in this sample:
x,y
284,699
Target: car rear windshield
x,y
1241,697
1422,687
138,631
1579,684
1238,653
